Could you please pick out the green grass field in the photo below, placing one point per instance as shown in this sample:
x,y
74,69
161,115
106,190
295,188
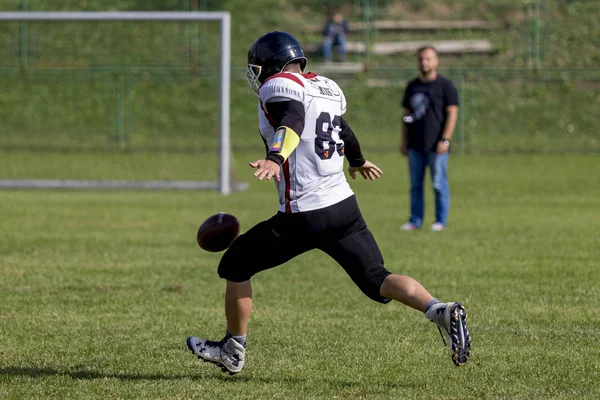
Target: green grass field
x,y
98,291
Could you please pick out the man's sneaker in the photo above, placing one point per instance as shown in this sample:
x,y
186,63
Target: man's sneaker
x,y
451,318
437,227
227,354
409,227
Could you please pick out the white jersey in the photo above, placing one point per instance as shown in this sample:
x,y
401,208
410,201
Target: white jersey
x,y
313,175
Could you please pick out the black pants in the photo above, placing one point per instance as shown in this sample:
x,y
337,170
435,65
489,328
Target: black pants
x,y
338,230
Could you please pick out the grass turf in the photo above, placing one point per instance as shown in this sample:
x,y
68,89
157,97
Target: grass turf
x,y
99,290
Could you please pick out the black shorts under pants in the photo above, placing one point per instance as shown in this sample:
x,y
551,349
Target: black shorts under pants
x,y
338,230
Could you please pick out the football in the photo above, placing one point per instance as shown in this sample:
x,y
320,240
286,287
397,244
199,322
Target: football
x,y
217,232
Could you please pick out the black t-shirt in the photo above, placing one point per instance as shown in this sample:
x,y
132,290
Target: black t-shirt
x,y
427,102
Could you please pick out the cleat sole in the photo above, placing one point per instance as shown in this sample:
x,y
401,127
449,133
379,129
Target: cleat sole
x,y
461,339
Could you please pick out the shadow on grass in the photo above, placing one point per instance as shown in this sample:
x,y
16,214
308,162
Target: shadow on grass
x,y
82,373
36,372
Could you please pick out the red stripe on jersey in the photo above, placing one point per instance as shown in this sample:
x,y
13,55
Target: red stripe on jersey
x,y
285,75
310,75
286,177
272,120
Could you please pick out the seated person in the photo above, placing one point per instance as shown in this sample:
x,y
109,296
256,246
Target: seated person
x,y
335,32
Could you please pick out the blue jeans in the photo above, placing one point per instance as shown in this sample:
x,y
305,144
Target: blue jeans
x,y
329,42
438,166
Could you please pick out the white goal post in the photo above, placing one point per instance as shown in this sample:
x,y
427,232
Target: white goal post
x,y
224,184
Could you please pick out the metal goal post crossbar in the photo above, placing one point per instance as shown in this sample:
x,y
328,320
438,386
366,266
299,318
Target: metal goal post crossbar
x,y
224,184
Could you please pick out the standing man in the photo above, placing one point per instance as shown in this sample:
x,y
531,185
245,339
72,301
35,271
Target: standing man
x,y
430,113
306,140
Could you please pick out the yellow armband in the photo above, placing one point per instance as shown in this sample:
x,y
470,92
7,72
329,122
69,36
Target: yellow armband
x,y
285,142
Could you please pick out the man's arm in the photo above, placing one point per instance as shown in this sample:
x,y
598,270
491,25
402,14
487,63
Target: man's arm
x,y
451,101
405,105
404,140
353,154
351,145
451,118
289,117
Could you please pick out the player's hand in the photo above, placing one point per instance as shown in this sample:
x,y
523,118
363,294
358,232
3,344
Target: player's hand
x,y
368,171
404,148
267,169
441,147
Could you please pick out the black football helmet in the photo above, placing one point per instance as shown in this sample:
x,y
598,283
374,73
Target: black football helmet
x,y
270,54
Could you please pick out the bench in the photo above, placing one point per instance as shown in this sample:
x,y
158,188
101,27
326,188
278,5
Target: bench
x,y
336,68
414,26
389,48
442,46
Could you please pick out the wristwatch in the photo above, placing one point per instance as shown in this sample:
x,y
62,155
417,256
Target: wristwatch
x,y
446,142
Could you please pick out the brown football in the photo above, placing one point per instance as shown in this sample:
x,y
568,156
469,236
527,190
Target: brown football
x,y
217,232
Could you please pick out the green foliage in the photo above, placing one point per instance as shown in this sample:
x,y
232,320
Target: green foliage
x,y
143,86
322,6
573,36
551,116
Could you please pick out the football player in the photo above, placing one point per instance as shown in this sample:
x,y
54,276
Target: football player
x,y
301,122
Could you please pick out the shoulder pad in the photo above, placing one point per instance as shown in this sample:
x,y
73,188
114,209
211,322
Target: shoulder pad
x,y
284,84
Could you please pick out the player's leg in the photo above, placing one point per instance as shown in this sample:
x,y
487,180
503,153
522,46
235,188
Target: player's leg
x,y
230,352
438,166
357,252
406,290
451,318
266,245
347,240
238,306
416,166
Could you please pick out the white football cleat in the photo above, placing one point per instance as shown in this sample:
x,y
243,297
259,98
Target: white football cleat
x,y
227,354
451,318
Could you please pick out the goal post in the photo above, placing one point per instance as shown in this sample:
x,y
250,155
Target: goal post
x,y
224,184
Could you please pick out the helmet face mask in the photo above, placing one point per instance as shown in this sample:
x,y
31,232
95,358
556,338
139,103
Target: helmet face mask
x,y
252,75
270,54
